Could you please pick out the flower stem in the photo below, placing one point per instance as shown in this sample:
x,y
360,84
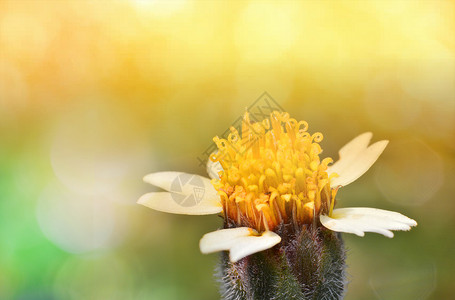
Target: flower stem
x,y
307,264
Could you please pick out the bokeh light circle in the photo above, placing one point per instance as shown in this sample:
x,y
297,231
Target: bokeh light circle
x,y
75,223
97,149
411,172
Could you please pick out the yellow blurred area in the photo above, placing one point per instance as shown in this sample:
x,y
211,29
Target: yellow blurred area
x,y
96,94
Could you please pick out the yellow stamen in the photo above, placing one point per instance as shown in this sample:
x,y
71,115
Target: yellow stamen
x,y
272,174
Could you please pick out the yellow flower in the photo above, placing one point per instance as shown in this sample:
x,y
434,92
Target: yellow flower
x,y
271,175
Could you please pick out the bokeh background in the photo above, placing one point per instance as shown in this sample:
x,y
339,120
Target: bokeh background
x,y
96,94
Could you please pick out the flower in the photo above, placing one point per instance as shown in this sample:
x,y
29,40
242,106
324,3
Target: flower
x,y
268,177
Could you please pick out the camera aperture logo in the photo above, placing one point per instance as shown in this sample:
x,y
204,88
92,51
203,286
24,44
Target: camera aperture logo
x,y
187,190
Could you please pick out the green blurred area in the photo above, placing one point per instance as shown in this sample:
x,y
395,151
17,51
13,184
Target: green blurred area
x,y
95,96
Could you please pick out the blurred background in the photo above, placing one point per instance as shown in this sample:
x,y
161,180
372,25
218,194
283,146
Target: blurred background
x,y
96,94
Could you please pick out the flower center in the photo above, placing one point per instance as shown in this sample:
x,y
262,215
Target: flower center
x,y
272,174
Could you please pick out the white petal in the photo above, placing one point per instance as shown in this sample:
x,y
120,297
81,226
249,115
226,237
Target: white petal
x,y
353,148
359,142
359,220
178,204
167,180
240,242
252,244
189,194
355,159
175,203
222,239
213,168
